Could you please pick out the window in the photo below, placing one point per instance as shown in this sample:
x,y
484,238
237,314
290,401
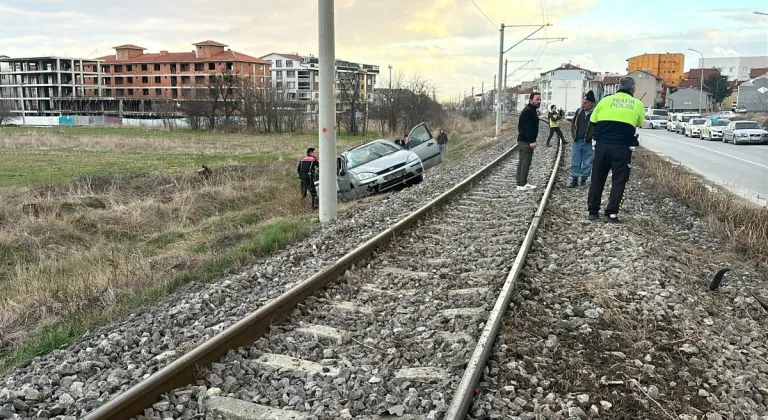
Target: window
x,y
118,69
108,92
130,80
158,92
118,80
145,79
288,63
128,67
290,85
143,67
261,67
279,63
199,80
743,69
130,92
157,67
279,85
120,92
185,67
105,69
185,80
291,73
145,92
211,66
106,80
199,67
731,70
157,79
229,66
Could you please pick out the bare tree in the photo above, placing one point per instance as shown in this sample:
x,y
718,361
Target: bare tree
x,y
222,98
248,94
166,110
351,100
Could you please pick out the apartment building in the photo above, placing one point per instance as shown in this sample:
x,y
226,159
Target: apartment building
x,y
735,68
38,85
298,78
566,85
669,67
649,88
132,73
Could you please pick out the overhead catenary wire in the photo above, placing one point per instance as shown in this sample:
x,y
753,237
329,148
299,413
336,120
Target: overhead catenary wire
x,y
495,26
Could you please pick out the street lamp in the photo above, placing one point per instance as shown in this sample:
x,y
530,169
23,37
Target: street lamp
x,y
701,84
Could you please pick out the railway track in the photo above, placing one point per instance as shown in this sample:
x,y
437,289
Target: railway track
x,y
402,325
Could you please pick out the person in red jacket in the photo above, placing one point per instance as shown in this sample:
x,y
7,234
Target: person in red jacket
x,y
307,170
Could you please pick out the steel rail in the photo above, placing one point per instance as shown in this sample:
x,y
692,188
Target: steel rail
x,y
464,394
181,371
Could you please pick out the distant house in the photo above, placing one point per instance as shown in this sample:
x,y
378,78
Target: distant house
x,y
753,95
649,88
753,73
610,85
687,99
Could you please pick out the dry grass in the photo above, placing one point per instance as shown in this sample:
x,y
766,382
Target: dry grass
x,y
101,244
742,224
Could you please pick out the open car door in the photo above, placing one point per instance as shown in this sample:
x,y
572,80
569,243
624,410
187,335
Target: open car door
x,y
420,141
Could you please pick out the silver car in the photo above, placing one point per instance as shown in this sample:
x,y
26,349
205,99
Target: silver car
x,y
740,132
381,165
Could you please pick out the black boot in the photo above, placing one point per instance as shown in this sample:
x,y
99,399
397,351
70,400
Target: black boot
x,y
574,183
583,181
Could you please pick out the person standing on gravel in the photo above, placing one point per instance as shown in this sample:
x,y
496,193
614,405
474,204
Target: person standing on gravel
x,y
582,153
307,170
613,126
554,124
528,130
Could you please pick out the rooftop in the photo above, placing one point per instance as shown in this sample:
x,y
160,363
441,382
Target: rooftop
x,y
210,43
293,56
128,47
566,66
177,57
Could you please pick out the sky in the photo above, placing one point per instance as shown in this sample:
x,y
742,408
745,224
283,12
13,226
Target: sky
x,y
452,43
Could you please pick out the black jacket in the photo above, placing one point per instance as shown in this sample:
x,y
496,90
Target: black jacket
x,y
577,122
307,167
442,138
528,125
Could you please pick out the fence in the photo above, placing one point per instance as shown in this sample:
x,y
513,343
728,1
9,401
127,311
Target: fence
x,y
98,121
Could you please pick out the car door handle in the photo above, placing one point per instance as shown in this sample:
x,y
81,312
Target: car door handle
x,y
430,143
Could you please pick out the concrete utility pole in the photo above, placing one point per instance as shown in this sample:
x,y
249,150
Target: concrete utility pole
x,y
701,77
504,88
500,78
327,117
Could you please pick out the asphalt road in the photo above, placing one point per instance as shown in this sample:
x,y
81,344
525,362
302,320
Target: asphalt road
x,y
742,169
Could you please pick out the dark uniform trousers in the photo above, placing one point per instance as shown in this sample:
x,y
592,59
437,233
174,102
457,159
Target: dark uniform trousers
x,y
525,156
308,184
615,158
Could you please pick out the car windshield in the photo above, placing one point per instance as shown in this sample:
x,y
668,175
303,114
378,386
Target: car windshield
x,y
657,117
720,123
368,153
698,121
660,112
747,125
686,118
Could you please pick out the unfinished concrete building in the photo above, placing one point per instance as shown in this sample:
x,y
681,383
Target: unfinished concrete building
x,y
38,86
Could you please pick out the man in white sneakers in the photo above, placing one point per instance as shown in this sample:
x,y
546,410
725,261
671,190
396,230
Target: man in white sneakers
x,y
528,130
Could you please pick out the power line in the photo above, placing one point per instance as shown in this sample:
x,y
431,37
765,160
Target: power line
x,y
495,26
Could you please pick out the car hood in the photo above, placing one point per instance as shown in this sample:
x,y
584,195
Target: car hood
x,y
751,131
720,128
383,163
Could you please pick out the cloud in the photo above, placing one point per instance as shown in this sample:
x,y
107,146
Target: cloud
x,y
726,52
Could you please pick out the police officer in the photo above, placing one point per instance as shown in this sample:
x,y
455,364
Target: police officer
x,y
612,125
307,170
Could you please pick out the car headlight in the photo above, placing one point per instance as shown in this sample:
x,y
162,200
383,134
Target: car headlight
x,y
365,175
412,158
742,135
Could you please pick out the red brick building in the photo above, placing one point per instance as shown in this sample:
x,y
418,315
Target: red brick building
x,y
132,73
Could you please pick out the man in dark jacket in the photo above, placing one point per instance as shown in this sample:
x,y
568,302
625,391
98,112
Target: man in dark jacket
x,y
442,140
528,130
582,153
307,170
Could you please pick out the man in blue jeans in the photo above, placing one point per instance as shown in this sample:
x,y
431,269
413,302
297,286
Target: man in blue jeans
x,y
582,153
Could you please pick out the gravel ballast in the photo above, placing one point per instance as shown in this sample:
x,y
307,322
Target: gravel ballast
x,y
617,321
105,362
392,335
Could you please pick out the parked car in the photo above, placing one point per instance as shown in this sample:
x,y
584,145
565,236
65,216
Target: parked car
x,y
693,128
381,165
726,114
569,115
684,118
657,112
741,110
713,130
655,121
739,132
674,120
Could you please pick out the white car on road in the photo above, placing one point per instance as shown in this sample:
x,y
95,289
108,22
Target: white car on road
x,y
713,130
655,121
739,132
693,128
